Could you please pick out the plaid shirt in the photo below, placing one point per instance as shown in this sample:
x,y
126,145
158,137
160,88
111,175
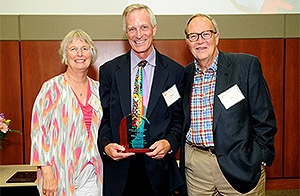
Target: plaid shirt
x,y
201,106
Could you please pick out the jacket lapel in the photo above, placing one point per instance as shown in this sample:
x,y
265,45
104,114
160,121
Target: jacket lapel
x,y
223,78
159,79
189,80
123,84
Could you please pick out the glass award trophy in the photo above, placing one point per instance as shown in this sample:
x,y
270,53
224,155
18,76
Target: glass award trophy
x,y
135,138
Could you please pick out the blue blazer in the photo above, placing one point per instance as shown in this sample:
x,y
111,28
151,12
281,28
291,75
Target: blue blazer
x,y
166,122
244,133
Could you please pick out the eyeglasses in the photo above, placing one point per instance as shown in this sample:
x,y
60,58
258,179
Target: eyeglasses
x,y
206,35
75,49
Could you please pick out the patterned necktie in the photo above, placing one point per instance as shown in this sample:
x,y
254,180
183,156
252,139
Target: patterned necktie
x,y
138,108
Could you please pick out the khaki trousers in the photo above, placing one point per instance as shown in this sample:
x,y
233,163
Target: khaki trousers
x,y
204,176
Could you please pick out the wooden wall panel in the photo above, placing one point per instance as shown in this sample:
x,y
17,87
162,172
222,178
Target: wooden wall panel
x,y
175,49
40,61
292,108
10,101
42,57
107,50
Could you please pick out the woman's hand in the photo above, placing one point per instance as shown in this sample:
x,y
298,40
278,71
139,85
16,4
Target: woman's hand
x,y
50,185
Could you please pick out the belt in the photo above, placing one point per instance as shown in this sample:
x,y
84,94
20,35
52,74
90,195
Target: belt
x,y
210,149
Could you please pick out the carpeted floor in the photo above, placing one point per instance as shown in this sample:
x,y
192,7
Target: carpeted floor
x,y
283,192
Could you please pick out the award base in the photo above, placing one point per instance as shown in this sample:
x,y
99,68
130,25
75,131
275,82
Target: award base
x,y
138,150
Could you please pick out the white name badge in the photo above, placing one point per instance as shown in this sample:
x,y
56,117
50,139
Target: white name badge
x,y
171,95
231,96
94,102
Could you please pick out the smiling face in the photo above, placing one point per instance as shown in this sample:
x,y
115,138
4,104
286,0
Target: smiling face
x,y
79,55
204,51
140,33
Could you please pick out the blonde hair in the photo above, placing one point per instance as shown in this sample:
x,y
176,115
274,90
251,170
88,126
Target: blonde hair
x,y
137,6
71,36
213,21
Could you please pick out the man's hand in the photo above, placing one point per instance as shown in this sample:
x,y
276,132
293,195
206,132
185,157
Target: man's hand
x,y
116,151
159,149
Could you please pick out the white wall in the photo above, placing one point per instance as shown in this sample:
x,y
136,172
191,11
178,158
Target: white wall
x,y
159,7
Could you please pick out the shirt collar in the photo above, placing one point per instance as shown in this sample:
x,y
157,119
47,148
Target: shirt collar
x,y
213,66
150,59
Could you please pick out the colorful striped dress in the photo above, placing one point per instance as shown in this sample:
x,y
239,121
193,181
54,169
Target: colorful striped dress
x,y
59,135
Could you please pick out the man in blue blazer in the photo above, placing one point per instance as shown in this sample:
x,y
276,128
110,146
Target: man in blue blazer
x,y
230,120
155,172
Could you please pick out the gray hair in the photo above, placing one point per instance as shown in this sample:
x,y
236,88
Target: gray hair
x,y
71,36
213,21
137,6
